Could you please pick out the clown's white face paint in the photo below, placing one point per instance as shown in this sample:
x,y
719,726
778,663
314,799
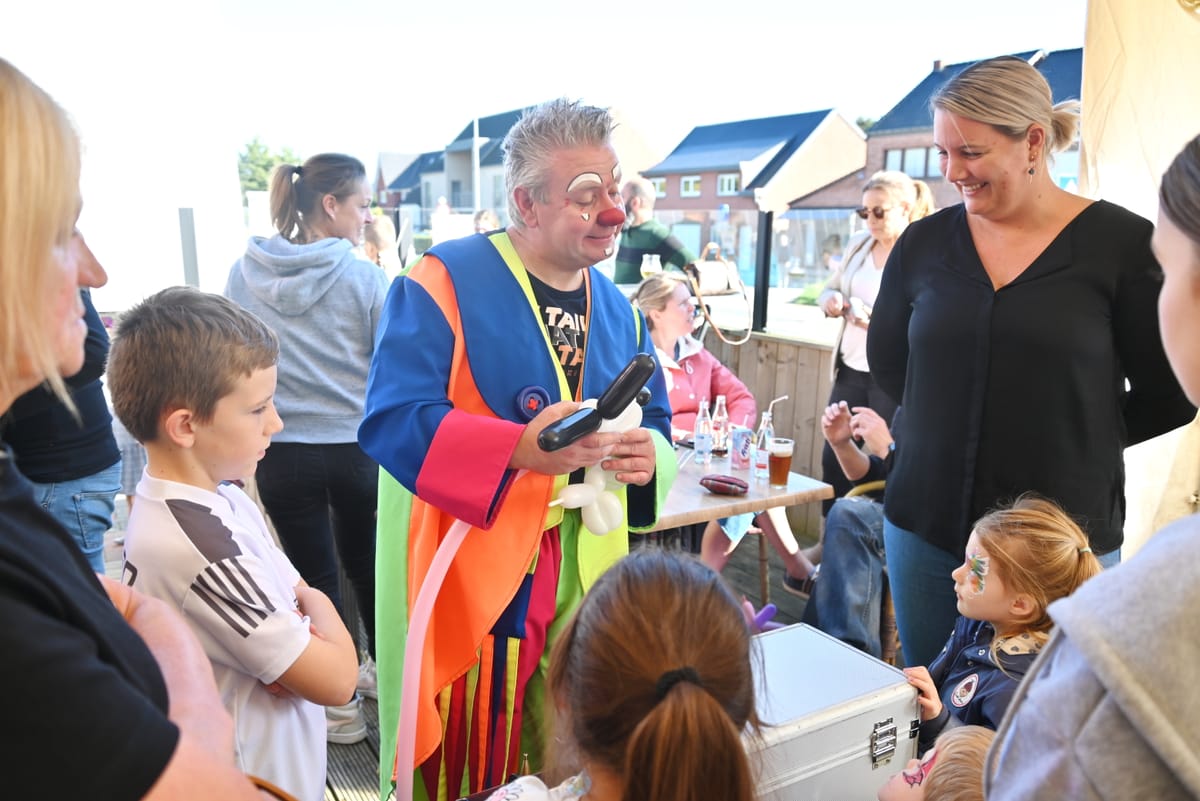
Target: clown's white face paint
x,y
585,216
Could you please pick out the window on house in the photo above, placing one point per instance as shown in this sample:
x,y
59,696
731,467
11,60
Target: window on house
x,y
426,195
917,162
499,201
689,186
660,186
935,167
729,183
914,161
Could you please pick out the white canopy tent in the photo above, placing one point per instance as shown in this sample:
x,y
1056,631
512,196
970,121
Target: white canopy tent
x,y
1140,63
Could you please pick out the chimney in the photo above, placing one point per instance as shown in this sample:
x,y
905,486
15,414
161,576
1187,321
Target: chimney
x,y
937,65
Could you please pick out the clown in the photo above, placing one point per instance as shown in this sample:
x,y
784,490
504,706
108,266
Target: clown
x,y
486,342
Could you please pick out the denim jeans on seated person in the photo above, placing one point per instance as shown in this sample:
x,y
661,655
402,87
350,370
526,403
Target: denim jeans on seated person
x,y
849,593
84,507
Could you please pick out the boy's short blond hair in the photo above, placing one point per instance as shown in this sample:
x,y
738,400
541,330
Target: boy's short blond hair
x,y
182,349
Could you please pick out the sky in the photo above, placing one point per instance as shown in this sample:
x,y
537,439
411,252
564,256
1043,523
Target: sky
x,y
165,94
397,75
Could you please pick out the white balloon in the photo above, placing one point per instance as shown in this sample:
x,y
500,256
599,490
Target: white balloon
x,y
574,496
627,420
604,515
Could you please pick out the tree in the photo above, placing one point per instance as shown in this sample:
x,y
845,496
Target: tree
x,y
256,162
866,123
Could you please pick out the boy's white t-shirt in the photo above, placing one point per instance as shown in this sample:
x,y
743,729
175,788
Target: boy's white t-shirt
x,y
211,557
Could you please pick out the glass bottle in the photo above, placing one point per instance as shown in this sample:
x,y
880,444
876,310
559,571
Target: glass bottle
x,y
762,446
720,426
702,435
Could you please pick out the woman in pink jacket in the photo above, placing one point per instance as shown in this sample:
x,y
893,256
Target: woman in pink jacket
x,y
695,376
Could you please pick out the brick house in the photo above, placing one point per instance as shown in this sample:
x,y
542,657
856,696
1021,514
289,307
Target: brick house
x,y
720,181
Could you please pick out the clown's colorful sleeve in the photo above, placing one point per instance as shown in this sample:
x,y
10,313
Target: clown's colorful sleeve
x,y
452,458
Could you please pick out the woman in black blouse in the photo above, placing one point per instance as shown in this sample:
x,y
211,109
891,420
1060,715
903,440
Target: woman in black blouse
x,y
1020,331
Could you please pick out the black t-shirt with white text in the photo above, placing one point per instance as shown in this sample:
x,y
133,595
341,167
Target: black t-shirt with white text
x,y
565,316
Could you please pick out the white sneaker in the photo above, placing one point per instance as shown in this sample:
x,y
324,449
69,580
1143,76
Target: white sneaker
x,y
344,724
368,681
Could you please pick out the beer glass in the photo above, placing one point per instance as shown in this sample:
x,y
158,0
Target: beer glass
x,y
780,461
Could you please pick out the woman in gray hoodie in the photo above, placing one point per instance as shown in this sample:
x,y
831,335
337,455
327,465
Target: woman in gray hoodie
x,y
324,302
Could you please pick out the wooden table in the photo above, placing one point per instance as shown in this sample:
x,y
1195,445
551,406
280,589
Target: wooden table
x,y
688,502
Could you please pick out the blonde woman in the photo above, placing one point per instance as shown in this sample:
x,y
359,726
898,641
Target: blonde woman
x,y
1011,325
91,657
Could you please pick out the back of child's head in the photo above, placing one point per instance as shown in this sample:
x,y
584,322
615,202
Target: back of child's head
x,y
652,680
182,349
957,773
1037,550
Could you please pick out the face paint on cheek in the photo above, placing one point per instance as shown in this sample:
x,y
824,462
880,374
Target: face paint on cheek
x,y
918,776
585,216
977,570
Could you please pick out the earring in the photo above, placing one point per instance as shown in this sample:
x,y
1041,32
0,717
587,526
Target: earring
x,y
1031,172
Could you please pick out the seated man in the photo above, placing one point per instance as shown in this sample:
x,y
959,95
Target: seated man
x,y
846,601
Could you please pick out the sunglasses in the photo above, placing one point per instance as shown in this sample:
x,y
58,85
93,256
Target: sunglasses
x,y
879,211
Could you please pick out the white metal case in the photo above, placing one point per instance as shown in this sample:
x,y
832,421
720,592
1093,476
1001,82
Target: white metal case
x,y
837,722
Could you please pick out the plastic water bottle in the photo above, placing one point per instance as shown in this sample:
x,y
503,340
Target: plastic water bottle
x,y
762,446
720,426
702,435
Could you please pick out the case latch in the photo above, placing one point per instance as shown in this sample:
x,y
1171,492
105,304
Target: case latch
x,y
883,742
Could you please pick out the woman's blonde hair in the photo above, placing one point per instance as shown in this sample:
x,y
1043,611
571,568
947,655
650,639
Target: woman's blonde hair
x,y
1037,550
39,202
1010,95
652,679
957,773
654,293
901,188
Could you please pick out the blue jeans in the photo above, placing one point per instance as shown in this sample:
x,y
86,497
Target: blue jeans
x,y
320,497
84,507
850,591
922,592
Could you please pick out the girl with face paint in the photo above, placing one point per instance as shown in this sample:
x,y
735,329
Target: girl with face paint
x,y
1019,559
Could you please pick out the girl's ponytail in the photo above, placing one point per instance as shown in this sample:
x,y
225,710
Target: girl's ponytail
x,y
687,748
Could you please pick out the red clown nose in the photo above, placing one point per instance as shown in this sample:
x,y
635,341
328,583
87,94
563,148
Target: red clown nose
x,y
611,217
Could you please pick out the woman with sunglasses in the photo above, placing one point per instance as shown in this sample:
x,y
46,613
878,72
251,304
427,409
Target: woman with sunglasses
x,y
1020,330
891,200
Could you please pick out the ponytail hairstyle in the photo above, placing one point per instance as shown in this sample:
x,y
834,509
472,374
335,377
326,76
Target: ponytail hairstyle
x,y
1009,94
297,192
652,680
1179,192
923,206
1039,551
